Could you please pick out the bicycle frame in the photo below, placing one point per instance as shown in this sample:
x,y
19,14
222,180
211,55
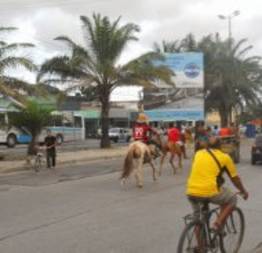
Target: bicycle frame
x,y
204,220
207,240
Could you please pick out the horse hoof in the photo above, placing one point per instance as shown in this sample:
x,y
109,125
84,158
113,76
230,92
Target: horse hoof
x,y
123,182
140,186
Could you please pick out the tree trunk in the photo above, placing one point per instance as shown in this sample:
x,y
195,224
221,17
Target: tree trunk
x,y
223,117
105,141
31,146
230,118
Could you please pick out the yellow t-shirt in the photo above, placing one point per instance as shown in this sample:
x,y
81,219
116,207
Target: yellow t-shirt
x,y
202,181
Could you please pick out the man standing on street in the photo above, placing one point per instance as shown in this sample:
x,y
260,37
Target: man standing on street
x,y
50,142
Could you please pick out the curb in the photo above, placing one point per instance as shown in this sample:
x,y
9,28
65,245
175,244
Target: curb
x,y
25,167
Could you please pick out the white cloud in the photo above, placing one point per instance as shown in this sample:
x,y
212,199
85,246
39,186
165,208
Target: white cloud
x,y
42,20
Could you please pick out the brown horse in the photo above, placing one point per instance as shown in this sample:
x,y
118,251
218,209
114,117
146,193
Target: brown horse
x,y
174,149
138,154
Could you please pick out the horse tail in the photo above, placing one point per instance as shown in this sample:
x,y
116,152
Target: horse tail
x,y
133,153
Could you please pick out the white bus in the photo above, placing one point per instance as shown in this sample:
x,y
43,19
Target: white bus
x,y
11,135
67,126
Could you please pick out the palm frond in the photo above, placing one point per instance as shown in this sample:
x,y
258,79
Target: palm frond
x,y
13,62
59,65
15,46
67,40
8,29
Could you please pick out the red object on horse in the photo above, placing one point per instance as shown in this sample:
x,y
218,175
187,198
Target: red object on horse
x,y
225,132
174,134
141,131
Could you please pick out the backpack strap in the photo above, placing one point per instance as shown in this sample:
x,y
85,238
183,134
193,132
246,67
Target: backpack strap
x,y
220,179
215,158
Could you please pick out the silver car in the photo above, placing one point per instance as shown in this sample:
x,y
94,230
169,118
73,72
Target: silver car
x,y
118,134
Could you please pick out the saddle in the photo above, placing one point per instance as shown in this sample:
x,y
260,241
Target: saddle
x,y
202,202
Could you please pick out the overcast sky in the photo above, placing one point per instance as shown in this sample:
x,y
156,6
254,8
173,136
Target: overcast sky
x,y
40,21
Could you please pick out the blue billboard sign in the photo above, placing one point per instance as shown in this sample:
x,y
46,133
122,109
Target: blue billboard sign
x,y
175,115
188,69
188,103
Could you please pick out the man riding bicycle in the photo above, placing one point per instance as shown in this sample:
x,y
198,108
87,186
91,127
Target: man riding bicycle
x,y
205,181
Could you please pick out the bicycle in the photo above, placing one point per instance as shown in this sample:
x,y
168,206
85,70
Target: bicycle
x,y
38,159
198,237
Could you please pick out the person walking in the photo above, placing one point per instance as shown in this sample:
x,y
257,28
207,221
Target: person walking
x,y
50,143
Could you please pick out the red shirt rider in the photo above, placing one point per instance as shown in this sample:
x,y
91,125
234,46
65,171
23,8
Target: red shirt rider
x,y
141,131
174,135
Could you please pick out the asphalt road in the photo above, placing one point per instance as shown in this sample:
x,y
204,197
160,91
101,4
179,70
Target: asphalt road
x,y
83,209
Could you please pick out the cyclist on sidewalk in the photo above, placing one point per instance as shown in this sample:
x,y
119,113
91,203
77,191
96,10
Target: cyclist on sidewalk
x,y
205,181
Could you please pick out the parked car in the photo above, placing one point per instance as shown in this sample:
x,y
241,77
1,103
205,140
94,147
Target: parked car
x,y
119,134
256,151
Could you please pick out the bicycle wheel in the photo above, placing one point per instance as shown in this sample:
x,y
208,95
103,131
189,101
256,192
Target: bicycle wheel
x,y
193,239
233,232
37,165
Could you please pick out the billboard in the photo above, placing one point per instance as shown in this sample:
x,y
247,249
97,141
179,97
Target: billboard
x,y
188,69
187,102
175,115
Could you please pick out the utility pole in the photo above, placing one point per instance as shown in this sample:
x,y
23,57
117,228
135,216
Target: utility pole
x,y
229,19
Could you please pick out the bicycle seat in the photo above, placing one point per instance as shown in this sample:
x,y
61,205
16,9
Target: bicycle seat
x,y
203,202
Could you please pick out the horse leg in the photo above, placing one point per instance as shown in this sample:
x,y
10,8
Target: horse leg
x,y
139,173
136,177
180,165
171,161
153,169
183,148
161,163
123,181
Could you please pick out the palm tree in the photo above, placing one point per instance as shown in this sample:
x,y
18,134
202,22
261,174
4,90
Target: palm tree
x,y
187,44
232,80
12,86
34,118
96,64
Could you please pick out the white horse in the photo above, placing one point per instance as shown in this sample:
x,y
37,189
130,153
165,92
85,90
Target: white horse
x,y
138,154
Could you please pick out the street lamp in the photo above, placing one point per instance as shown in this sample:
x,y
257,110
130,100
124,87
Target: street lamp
x,y
229,18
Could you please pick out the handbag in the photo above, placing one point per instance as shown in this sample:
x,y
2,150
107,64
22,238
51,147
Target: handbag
x,y
220,178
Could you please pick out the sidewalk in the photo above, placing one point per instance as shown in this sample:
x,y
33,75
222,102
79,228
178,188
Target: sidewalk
x,y
68,158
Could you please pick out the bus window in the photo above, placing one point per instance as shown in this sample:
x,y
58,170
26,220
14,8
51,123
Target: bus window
x,y
2,121
78,121
67,123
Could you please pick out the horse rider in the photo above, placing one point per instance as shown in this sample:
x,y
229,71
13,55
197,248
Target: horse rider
x,y
174,138
225,132
201,136
142,131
